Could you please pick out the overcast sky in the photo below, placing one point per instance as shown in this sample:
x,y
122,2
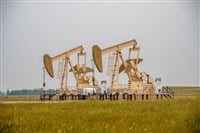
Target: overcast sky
x,y
167,32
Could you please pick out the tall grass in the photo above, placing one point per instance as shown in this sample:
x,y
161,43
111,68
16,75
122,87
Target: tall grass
x,y
182,115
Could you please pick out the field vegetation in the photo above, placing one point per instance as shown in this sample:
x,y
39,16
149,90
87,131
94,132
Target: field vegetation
x,y
181,114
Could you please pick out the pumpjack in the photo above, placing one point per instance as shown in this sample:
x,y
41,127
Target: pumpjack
x,y
138,82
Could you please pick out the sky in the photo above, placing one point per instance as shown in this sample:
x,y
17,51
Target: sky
x,y
167,33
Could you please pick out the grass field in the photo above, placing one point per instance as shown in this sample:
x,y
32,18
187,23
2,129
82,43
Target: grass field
x,y
181,114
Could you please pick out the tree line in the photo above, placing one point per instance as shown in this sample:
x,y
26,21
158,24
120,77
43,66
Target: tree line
x,y
30,91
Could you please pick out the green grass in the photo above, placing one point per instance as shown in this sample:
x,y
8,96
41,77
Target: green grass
x,y
178,115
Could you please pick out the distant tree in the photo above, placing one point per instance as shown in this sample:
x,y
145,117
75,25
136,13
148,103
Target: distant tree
x,y
36,91
8,92
1,93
